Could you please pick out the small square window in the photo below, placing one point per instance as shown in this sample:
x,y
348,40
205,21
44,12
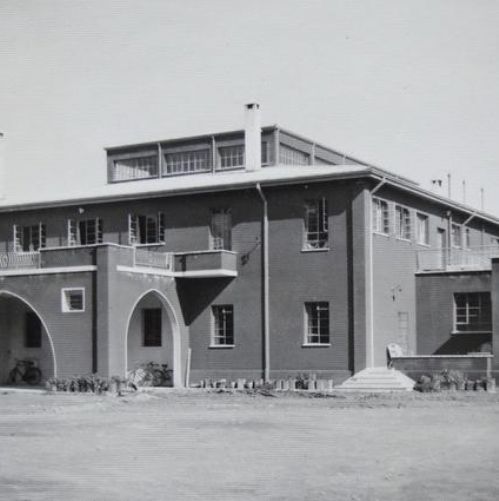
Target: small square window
x,y
73,300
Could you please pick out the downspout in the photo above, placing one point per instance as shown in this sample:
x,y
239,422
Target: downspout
x,y
265,291
370,275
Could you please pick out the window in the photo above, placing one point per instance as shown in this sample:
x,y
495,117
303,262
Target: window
x,y
221,229
144,229
187,162
85,231
151,326
467,237
231,156
223,325
472,312
290,156
316,224
29,238
265,153
32,330
381,216
402,222
423,229
135,168
317,323
73,300
456,236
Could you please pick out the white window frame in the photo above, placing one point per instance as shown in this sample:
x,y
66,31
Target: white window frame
x,y
18,237
381,216
400,228
235,152
214,337
458,228
319,206
65,303
421,216
307,332
134,227
74,237
467,312
223,241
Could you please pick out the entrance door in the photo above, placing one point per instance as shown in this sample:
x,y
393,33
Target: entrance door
x,y
442,247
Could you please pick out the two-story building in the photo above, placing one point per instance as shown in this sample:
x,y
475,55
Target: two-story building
x,y
248,254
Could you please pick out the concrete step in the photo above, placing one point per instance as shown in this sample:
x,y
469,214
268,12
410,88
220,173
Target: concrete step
x,y
378,379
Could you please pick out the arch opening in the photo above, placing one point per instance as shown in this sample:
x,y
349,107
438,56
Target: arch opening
x,y
24,335
153,335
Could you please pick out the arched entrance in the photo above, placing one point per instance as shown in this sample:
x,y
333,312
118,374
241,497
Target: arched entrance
x,y
24,336
153,334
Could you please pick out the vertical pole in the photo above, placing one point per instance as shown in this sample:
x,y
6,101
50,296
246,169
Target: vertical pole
x,y
266,309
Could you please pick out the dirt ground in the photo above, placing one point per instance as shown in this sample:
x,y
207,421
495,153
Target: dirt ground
x,y
195,445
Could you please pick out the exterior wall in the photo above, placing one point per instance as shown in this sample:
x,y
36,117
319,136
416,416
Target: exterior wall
x,y
71,333
298,276
435,309
117,295
12,340
395,265
494,286
137,353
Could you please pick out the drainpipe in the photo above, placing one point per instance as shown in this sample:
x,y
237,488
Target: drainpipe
x,y
370,277
265,292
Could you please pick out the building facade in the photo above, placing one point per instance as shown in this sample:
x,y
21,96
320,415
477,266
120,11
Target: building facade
x,y
248,254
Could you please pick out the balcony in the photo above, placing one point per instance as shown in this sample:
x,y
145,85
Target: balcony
x,y
193,264
210,263
472,259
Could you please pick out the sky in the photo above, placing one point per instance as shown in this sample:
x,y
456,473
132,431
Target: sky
x,y
411,86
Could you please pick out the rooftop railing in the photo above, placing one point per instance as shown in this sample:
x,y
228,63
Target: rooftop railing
x,y
473,258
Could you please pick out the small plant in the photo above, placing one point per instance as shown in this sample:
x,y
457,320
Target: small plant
x,y
424,384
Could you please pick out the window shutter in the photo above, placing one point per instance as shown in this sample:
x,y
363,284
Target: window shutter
x,y
72,233
161,227
324,215
132,229
98,224
43,235
17,239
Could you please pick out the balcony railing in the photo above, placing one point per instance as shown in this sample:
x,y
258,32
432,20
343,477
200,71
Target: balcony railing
x,y
19,260
151,259
473,258
193,264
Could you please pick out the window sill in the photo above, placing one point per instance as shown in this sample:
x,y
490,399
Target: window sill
x,y
460,333
155,244
400,239
319,249
221,346
316,345
381,234
421,244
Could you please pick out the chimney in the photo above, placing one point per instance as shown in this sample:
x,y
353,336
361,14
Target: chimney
x,y
253,137
2,166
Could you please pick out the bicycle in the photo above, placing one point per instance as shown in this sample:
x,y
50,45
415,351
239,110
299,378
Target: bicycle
x,y
27,371
160,374
150,374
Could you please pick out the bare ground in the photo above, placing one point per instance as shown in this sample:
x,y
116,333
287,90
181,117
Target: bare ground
x,y
226,446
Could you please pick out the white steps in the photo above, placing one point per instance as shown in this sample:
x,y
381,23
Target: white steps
x,y
378,379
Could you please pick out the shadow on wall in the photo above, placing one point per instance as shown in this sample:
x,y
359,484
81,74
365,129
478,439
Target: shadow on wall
x,y
462,344
195,295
